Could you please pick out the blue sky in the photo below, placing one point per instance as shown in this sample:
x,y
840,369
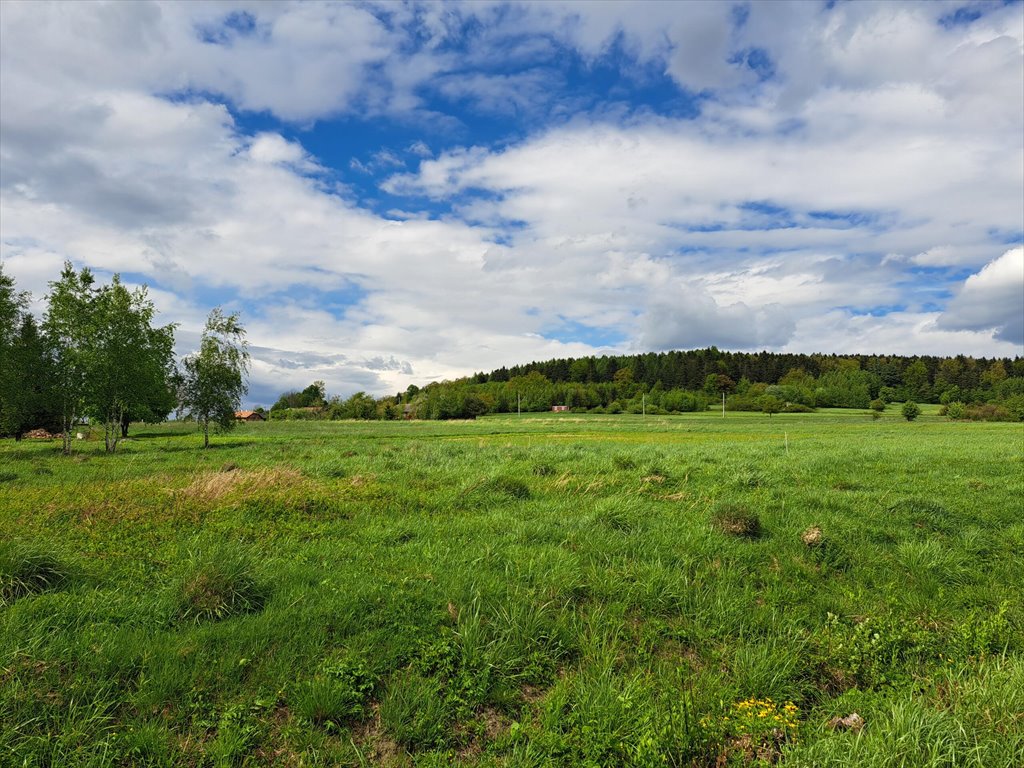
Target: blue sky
x,y
393,193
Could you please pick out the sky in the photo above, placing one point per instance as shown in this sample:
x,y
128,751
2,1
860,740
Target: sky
x,y
396,193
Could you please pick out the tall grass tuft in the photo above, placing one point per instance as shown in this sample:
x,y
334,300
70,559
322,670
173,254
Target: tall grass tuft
x,y
26,570
736,520
218,581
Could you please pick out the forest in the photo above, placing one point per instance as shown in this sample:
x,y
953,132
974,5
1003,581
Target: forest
x,y
680,382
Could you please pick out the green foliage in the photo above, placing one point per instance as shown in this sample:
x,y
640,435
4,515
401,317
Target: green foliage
x,y
877,651
213,380
336,695
771,405
98,355
956,411
313,396
877,405
68,326
910,410
129,363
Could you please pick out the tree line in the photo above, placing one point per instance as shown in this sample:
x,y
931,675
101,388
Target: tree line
x,y
967,387
98,356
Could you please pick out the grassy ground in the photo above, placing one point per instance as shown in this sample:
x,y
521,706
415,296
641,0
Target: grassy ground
x,y
518,591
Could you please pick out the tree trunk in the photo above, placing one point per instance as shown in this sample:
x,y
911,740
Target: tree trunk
x,y
124,425
65,438
206,434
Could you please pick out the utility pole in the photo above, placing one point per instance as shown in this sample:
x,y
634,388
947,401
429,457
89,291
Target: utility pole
x,y
723,403
519,404
643,405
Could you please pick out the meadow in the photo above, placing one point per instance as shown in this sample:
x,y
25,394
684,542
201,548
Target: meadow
x,y
543,590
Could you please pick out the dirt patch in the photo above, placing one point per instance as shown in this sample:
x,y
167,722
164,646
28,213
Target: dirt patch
x,y
279,752
852,722
745,750
532,694
375,746
678,653
488,725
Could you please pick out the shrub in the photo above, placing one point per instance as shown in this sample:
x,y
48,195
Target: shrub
x,y
956,411
736,520
25,571
877,405
988,412
910,410
1015,405
218,582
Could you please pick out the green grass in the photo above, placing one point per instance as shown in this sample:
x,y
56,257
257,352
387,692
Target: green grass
x,y
517,591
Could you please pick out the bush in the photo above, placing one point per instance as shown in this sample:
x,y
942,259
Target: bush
x,y
988,412
736,520
1015,405
218,582
877,405
956,411
910,410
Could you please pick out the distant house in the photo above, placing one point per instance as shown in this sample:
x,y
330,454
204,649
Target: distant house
x,y
249,416
559,408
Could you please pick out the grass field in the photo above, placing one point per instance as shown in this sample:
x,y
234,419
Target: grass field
x,y
518,591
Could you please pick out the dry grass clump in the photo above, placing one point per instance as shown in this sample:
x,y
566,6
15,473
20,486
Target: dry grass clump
x,y
736,520
813,537
211,486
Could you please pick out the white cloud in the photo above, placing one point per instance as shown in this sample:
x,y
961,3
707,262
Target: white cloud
x,y
991,300
883,133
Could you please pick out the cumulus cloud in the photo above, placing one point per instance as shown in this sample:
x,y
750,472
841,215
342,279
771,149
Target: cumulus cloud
x,y
991,300
869,142
696,321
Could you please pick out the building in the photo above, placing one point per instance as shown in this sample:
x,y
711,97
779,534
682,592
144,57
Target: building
x,y
249,416
559,408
